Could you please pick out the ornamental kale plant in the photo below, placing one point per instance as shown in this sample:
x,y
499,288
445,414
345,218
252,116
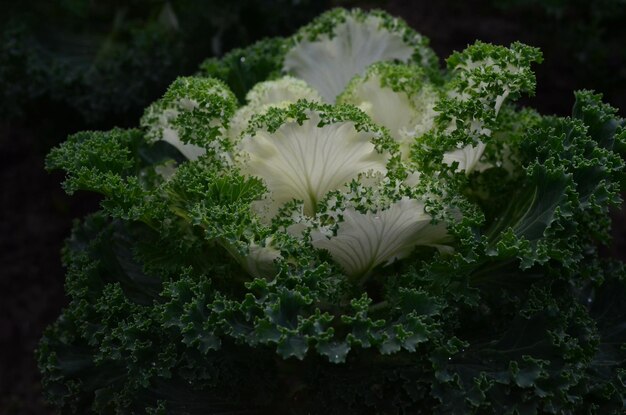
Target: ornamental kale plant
x,y
330,223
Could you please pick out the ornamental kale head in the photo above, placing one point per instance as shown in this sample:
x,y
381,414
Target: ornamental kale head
x,y
363,232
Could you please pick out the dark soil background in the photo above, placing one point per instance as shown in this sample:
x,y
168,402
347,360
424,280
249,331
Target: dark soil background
x,y
583,48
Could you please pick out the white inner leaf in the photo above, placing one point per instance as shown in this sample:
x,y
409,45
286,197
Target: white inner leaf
x,y
328,64
305,162
468,158
364,241
385,106
278,93
405,118
260,261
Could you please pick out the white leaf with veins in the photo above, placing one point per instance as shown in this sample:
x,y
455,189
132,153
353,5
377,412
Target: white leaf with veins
x,y
328,64
285,89
365,240
385,106
468,158
406,118
260,260
279,93
305,162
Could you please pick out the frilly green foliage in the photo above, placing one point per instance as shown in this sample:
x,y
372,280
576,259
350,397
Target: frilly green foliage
x,y
519,315
481,78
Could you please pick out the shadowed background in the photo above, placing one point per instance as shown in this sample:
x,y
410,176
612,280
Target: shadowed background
x,y
71,65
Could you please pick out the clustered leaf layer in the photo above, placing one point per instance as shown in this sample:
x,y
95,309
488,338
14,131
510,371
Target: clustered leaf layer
x,y
399,240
